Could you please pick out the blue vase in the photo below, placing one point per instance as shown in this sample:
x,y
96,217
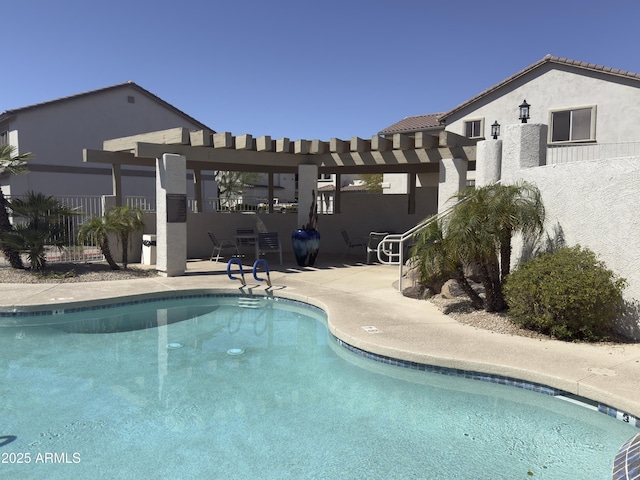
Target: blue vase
x,y
306,244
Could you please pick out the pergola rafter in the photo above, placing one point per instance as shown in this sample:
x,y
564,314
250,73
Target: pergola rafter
x,y
204,150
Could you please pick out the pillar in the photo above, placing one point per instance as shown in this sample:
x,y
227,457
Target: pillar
x,y
307,183
524,146
197,188
488,162
116,183
171,215
453,179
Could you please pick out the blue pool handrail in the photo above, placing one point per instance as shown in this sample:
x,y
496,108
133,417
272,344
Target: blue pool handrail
x,y
239,262
266,270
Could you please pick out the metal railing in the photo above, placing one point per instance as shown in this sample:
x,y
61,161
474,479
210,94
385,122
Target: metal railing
x,y
391,250
558,154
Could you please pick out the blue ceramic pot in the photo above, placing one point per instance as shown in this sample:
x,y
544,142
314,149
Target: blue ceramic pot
x,y
306,244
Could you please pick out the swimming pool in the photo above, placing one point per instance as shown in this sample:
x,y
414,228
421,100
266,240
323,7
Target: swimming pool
x,y
235,387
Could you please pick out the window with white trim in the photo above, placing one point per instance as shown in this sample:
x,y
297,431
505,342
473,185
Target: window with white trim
x,y
573,125
474,128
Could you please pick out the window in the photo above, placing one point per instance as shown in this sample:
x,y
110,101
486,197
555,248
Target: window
x,y
4,138
473,128
573,125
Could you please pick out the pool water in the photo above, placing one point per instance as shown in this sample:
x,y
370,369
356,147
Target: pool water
x,y
256,388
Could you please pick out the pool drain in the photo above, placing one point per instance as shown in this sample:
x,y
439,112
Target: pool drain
x,y
174,345
235,351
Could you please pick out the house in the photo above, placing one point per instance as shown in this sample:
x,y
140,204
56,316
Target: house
x,y
577,140
579,101
57,131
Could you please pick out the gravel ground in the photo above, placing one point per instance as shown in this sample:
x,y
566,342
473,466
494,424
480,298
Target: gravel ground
x,y
460,309
71,273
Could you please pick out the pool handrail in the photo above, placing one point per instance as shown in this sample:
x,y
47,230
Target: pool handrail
x,y
266,270
386,253
239,262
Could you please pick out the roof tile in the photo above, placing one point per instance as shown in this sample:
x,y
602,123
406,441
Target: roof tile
x,y
413,124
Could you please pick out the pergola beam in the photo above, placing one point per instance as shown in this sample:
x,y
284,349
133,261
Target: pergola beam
x,y
178,135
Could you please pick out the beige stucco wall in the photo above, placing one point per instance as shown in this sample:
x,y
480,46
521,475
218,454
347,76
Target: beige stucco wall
x,y
361,214
597,203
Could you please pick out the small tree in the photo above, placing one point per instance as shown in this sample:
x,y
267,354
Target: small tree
x,y
372,182
40,221
97,229
10,164
481,226
568,294
231,185
119,221
437,262
126,221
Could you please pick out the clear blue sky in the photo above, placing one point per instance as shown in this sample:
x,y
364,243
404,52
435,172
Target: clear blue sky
x,y
296,68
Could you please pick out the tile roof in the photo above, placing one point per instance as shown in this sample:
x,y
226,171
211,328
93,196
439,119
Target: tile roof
x,y
413,124
547,59
8,113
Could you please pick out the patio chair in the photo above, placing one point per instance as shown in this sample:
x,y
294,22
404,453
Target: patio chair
x,y
220,245
372,245
351,243
269,242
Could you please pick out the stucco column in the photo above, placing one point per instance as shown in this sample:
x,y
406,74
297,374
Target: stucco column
x,y
307,183
171,215
488,162
453,179
524,146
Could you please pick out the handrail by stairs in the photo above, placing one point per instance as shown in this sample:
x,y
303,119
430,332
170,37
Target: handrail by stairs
x,y
391,248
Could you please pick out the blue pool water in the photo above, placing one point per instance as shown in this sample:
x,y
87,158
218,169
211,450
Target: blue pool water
x,y
255,388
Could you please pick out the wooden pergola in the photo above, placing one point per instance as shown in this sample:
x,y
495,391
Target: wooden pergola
x,y
208,151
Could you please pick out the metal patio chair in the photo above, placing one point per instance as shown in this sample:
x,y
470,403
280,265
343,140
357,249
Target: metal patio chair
x,y
269,242
351,243
220,245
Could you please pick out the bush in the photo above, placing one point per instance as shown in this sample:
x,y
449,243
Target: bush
x,y
568,294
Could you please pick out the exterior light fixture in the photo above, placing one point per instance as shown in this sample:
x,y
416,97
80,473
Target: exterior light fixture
x,y
524,111
495,130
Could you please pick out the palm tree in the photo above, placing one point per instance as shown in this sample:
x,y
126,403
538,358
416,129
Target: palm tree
x,y
482,226
10,163
40,221
119,221
98,229
437,261
471,240
125,220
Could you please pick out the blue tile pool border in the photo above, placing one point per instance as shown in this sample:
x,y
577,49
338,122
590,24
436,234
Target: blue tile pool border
x,y
487,377
16,312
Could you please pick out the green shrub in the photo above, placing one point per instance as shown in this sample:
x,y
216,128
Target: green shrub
x,y
568,294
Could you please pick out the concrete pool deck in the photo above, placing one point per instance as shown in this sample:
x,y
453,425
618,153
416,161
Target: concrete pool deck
x,y
367,312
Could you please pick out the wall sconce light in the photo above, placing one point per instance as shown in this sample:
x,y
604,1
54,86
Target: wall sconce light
x,y
495,130
524,111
